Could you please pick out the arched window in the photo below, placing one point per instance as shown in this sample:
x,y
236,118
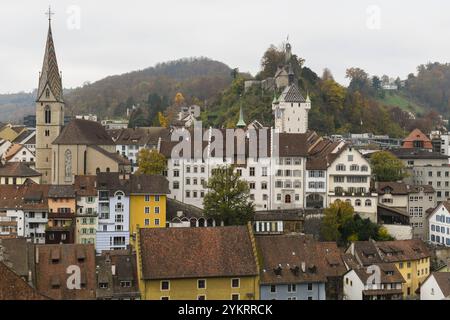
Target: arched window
x,y
358,203
47,93
68,165
108,170
97,171
47,114
368,203
287,198
348,201
364,168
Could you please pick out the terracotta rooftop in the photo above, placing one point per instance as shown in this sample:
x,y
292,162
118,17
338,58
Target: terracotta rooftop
x,y
52,262
297,259
13,287
443,280
171,253
17,169
85,186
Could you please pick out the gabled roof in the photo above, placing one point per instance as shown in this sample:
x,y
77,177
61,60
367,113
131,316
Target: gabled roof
x,y
176,253
140,136
389,273
83,132
112,155
61,191
443,280
323,154
149,184
297,259
50,73
291,94
17,169
85,185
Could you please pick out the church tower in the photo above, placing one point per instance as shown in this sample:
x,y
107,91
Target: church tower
x,y
49,108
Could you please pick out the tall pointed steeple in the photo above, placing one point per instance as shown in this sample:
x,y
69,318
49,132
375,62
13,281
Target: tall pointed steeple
x,y
50,77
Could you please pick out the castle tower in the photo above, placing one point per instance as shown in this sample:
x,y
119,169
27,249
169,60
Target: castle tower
x,y
291,110
49,108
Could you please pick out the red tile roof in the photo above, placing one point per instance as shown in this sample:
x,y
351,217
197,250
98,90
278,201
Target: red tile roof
x,y
173,253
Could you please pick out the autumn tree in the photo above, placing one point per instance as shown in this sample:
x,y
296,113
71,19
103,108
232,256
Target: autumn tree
x,y
228,197
336,215
150,161
387,167
163,121
179,99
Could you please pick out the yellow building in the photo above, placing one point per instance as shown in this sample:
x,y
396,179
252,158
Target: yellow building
x,y
10,132
411,257
217,263
148,196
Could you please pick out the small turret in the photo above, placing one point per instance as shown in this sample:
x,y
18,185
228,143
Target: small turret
x,y
241,123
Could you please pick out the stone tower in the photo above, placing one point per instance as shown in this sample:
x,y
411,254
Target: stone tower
x,y
49,109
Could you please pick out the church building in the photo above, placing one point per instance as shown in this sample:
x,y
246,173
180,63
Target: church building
x,y
81,147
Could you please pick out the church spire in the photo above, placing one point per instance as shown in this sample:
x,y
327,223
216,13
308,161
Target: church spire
x,y
50,77
241,123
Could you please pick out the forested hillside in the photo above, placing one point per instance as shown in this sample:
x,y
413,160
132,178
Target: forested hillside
x,y
363,106
195,77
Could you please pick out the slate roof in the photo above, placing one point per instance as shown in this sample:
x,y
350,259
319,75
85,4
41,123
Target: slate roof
x,y
297,259
13,287
125,269
176,253
401,188
149,184
291,94
141,136
17,169
83,132
411,153
50,73
373,252
173,207
61,191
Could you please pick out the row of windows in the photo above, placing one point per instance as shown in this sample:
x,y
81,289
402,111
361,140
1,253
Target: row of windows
x,y
288,184
350,179
234,296
444,230
440,240
316,174
316,185
416,211
290,288
442,218
147,198
147,222
147,210
195,194
350,190
201,284
353,167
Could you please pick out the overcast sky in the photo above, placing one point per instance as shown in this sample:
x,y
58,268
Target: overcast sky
x,y
112,37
